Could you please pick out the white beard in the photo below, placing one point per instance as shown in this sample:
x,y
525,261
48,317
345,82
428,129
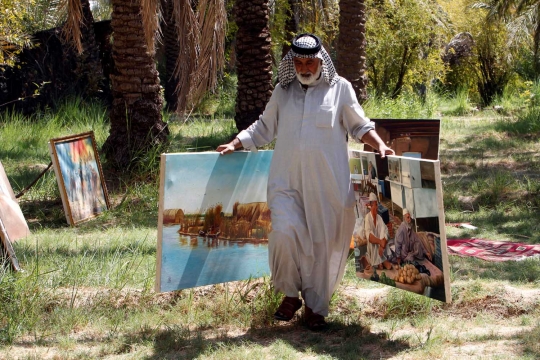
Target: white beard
x,y
308,80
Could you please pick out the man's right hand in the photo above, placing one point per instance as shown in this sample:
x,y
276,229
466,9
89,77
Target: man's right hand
x,y
225,149
230,147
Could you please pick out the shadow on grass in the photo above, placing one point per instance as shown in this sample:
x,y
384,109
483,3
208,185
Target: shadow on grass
x,y
340,341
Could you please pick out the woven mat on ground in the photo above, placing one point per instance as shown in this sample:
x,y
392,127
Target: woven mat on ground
x,y
492,250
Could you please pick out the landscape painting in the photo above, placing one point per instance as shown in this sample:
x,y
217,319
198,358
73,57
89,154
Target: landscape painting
x,y
213,219
399,236
79,175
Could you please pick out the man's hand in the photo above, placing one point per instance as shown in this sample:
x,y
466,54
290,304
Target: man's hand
x,y
385,150
225,149
372,139
230,147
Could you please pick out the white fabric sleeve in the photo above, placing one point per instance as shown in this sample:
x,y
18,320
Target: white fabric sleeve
x,y
367,226
354,119
264,130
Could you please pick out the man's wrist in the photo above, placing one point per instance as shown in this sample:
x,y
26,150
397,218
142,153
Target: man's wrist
x,y
236,143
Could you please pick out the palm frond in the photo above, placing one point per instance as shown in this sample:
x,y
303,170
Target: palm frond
x,y
212,19
151,17
71,31
188,38
202,53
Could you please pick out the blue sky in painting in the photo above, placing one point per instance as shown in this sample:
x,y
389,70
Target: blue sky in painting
x,y
194,182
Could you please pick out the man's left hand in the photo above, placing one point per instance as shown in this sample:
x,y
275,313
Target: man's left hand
x,y
385,150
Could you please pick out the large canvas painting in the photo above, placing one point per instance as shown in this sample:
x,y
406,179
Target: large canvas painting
x,y
213,219
79,176
399,235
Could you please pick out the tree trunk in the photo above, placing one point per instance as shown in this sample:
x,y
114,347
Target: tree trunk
x,y
291,26
136,124
88,68
253,61
351,55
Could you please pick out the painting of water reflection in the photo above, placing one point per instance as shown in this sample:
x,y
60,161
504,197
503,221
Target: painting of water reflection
x,y
213,219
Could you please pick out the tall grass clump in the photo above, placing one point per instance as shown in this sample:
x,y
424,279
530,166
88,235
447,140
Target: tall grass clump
x,y
72,116
526,123
405,106
221,103
457,105
493,186
198,134
400,304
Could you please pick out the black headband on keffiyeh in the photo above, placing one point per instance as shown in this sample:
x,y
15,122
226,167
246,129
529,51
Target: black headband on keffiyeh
x,y
306,46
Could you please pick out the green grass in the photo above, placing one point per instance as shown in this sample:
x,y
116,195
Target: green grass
x,y
87,291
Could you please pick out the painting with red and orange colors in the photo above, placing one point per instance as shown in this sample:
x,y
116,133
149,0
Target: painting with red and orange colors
x,y
80,179
213,220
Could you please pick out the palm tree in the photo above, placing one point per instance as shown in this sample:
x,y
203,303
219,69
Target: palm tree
x,y
136,123
351,54
254,60
523,22
88,69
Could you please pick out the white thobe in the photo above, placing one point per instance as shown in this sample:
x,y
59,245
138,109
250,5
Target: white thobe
x,y
378,230
309,189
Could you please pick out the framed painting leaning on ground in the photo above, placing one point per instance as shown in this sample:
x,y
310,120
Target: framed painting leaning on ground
x,y
213,220
80,177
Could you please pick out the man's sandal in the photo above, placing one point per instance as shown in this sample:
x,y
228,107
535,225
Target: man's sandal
x,y
314,322
288,307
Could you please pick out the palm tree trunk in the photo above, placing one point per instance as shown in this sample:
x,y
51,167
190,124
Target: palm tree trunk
x,y
89,70
253,61
351,56
136,123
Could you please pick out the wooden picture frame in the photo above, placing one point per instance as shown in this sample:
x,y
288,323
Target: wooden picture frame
x,y
80,176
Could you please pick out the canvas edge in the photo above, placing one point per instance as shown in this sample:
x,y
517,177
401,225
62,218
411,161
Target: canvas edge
x,y
8,247
60,182
100,171
3,176
159,248
442,234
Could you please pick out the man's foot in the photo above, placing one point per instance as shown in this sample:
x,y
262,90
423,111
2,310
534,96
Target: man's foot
x,y
288,307
314,322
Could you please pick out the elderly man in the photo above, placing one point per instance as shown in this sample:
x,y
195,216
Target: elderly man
x,y
376,235
310,195
408,246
